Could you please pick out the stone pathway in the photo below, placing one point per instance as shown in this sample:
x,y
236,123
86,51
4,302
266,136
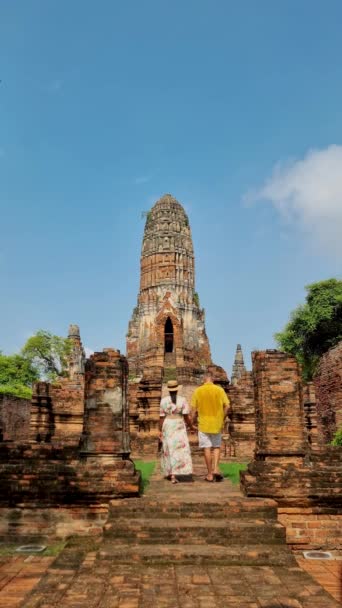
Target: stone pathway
x,y
195,545
327,573
18,576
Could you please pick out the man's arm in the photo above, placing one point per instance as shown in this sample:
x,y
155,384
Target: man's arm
x,y
194,414
226,405
194,417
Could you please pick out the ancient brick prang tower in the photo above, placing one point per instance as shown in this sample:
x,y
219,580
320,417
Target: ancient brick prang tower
x,y
167,328
238,366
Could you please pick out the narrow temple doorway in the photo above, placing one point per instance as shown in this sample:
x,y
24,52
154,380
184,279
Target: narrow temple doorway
x,y
168,336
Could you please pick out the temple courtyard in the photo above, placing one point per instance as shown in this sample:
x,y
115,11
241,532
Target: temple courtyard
x,y
189,545
68,479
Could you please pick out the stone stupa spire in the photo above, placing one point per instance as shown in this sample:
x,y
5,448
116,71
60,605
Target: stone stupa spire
x,y
238,366
167,328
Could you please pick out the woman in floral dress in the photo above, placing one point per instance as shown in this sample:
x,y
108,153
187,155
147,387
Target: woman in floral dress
x,y
174,414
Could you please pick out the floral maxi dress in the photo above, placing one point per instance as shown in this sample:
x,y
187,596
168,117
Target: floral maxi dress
x,y
176,455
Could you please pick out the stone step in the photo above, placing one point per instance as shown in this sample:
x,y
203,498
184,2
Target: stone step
x,y
236,508
206,531
248,555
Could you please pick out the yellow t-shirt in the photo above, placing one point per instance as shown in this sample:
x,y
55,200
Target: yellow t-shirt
x,y
210,401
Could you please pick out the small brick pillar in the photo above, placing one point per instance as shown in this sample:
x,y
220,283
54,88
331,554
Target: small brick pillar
x,y
106,423
241,427
145,399
278,406
281,441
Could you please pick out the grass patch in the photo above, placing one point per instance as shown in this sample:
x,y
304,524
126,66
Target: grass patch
x,y
146,469
231,470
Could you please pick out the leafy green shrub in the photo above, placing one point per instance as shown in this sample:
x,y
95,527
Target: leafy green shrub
x,y
315,326
16,376
232,470
17,390
337,441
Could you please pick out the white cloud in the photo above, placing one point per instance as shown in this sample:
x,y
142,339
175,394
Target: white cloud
x,y
308,194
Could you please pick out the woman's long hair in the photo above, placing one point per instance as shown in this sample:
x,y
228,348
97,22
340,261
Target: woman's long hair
x,y
173,395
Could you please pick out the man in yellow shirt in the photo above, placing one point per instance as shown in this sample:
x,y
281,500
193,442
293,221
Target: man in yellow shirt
x,y
210,404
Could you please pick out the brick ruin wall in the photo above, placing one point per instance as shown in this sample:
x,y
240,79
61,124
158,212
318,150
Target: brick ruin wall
x,y
14,418
240,431
306,484
144,405
59,479
49,468
328,386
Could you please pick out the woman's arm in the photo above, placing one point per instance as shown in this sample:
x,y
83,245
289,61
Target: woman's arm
x,y
188,422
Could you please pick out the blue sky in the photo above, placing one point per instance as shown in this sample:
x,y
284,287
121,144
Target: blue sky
x,y
233,107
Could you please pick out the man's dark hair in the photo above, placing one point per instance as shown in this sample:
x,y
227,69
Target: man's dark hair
x,y
209,374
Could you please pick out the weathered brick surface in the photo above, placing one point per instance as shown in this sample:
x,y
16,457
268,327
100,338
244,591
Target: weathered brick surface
x,y
14,418
57,409
137,571
167,295
241,427
32,522
145,397
285,467
328,385
76,457
106,423
312,527
278,405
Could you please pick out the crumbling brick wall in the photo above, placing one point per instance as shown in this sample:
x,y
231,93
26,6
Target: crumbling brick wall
x,y
328,384
241,428
14,418
278,402
305,483
74,455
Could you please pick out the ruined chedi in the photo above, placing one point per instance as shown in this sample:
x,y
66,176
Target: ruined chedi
x,y
238,366
167,328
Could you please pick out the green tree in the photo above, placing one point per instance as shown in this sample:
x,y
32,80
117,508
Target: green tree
x,y
17,375
48,354
315,326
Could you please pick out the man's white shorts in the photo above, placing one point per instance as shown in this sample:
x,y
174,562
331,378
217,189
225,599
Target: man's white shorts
x,y
209,440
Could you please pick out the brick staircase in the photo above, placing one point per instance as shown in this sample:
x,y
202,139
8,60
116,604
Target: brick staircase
x,y
195,545
197,523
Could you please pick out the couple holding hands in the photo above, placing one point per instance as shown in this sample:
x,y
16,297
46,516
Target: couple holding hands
x,y
210,406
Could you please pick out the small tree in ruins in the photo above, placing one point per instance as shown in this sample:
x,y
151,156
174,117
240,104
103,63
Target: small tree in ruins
x,y
315,326
48,354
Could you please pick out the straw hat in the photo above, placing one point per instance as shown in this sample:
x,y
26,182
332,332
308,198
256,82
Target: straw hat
x,y
172,385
